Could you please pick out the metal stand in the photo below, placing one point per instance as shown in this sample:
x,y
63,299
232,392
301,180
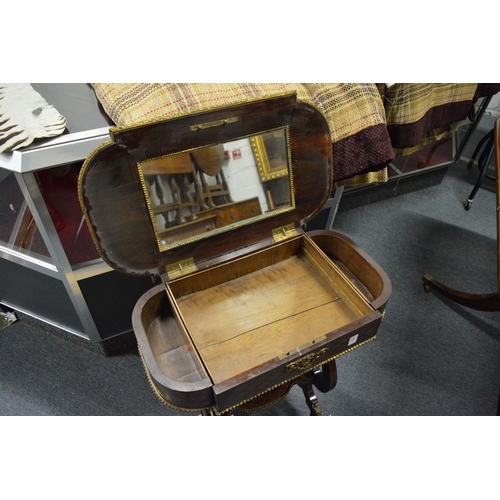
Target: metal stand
x,y
487,146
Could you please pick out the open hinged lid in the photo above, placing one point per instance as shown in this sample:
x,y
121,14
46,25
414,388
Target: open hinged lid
x,y
203,185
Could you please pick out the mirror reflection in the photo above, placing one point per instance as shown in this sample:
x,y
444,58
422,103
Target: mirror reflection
x,y
195,194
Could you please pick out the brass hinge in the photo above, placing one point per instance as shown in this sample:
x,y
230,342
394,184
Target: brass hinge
x,y
181,268
285,232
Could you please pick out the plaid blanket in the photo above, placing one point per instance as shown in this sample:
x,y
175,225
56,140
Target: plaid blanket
x,y
355,114
420,113
369,123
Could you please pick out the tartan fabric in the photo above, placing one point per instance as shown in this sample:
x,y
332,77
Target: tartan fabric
x,y
351,111
421,113
409,102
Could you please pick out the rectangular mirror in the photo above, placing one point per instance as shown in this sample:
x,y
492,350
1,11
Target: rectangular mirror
x,y
198,193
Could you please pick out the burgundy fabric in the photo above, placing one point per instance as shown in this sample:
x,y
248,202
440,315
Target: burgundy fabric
x,y
367,151
486,89
411,134
407,135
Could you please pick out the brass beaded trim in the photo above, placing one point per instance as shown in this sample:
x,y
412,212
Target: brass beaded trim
x,y
157,392
298,376
81,199
235,407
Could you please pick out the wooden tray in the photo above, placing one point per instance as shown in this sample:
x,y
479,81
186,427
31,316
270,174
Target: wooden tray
x,y
249,304
243,328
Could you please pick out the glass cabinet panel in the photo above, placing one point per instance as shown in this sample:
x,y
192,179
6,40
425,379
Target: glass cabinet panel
x,y
18,230
59,189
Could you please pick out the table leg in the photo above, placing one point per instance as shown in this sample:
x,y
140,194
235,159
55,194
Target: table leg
x,y
324,379
484,302
311,399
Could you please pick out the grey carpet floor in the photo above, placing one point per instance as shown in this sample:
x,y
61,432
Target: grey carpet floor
x,y
431,357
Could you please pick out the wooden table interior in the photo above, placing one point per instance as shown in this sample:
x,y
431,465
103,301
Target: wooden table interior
x,y
268,311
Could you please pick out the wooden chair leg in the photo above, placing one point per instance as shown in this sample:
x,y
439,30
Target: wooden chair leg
x,y
485,302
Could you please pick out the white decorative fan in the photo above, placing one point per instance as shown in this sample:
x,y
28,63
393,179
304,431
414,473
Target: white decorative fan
x,y
25,116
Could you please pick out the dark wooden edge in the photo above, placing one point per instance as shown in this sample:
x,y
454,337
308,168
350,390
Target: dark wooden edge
x,y
228,393
341,248
113,200
479,302
189,395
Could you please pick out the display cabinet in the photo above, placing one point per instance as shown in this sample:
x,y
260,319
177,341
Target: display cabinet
x,y
49,267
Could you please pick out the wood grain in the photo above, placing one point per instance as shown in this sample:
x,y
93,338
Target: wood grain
x,y
173,352
257,317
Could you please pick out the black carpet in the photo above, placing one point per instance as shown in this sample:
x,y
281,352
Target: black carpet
x,y
431,357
